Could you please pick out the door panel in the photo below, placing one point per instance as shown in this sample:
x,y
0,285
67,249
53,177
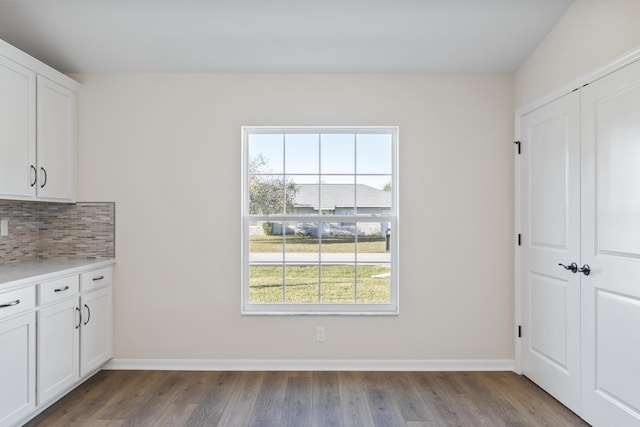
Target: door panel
x,y
611,246
548,150
550,197
551,294
618,160
616,350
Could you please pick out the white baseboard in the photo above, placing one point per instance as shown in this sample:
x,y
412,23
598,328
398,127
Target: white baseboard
x,y
310,365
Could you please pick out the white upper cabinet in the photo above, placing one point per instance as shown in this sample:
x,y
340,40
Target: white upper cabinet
x,y
37,129
56,148
17,130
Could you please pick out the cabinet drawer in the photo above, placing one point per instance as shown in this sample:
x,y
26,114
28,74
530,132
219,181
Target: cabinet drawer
x,y
96,278
57,289
17,301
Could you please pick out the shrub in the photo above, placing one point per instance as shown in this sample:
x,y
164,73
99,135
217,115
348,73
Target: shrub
x,y
267,227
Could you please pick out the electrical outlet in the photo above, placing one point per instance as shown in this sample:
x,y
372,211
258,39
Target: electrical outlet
x,y
320,334
4,227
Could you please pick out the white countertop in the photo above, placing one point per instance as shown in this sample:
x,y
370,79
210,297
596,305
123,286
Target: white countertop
x,y
18,274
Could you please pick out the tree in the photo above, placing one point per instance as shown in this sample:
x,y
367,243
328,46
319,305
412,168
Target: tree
x,y
267,192
387,187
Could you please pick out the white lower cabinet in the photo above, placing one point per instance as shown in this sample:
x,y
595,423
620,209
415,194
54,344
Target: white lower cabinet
x,y
17,368
74,335
58,348
72,339
96,338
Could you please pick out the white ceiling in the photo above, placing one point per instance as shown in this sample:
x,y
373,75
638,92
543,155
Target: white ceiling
x,y
436,36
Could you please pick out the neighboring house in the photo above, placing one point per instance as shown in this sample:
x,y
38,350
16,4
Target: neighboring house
x,y
340,199
337,199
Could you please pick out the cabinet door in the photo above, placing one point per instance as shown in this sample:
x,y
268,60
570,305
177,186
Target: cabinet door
x,y
611,247
17,130
56,142
96,340
58,348
17,368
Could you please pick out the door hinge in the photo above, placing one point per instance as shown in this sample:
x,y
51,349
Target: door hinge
x,y
519,239
519,331
518,144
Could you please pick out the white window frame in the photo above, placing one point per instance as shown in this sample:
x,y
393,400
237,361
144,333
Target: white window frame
x,y
391,308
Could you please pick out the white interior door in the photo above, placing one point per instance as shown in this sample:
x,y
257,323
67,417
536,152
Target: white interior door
x,y
549,214
611,247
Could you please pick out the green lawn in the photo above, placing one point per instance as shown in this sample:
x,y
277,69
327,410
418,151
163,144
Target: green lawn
x,y
310,244
301,284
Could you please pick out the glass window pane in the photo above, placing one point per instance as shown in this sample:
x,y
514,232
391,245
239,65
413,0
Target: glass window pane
x,y
302,153
266,243
374,283
338,153
302,284
266,194
373,194
265,284
337,195
338,283
302,244
303,195
266,152
372,239
373,153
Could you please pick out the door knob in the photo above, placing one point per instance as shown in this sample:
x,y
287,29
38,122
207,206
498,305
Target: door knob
x,y
573,267
586,270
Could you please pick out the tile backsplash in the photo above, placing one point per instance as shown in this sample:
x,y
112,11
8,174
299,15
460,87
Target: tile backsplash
x,y
56,230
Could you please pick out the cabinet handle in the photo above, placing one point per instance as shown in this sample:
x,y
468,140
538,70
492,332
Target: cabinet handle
x,y
45,177
95,279
61,289
79,317
35,175
88,314
10,304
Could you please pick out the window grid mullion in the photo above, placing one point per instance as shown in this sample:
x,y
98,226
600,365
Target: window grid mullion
x,y
284,262
355,211
320,229
284,224
320,223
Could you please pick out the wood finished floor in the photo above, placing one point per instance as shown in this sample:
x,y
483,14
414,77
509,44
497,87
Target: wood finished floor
x,y
300,399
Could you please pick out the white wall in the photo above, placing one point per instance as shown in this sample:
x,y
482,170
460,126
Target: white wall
x,y
590,34
166,149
